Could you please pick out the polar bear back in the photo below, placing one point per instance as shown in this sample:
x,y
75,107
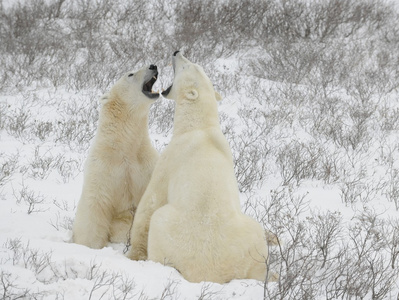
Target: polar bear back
x,y
203,172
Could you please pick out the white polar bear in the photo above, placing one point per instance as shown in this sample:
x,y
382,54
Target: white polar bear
x,y
191,212
120,162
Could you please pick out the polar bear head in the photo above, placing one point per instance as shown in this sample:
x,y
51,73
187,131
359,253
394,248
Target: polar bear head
x,y
190,82
135,88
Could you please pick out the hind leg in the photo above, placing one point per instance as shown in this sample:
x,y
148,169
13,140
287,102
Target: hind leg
x,y
161,236
153,198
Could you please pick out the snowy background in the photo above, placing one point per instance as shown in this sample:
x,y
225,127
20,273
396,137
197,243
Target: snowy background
x,y
310,109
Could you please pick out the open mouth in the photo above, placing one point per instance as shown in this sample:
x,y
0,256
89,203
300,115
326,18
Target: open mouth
x,y
166,92
147,87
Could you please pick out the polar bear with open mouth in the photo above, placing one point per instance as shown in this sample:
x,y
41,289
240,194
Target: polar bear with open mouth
x,y
190,216
120,162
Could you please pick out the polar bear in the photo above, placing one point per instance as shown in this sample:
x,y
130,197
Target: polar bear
x,y
190,216
120,162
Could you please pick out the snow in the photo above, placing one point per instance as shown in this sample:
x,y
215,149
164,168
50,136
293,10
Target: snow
x,y
46,230
42,164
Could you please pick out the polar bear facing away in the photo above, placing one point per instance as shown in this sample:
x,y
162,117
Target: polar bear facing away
x,y
191,212
120,162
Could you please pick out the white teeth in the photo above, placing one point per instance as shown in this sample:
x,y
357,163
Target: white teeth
x,y
154,77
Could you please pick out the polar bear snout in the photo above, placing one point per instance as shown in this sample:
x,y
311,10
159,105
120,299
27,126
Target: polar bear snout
x,y
177,60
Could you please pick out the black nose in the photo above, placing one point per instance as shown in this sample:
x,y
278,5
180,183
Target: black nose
x,y
174,54
153,67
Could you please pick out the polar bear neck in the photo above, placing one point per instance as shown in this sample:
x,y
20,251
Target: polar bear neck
x,y
194,116
120,122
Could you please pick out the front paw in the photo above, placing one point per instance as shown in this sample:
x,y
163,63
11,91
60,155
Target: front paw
x,y
136,253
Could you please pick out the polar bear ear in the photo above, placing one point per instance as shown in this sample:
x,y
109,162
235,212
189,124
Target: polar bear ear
x,y
192,94
218,96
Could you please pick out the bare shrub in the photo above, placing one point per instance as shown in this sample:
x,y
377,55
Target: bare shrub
x,y
371,273
327,119
315,259
288,62
41,165
391,238
392,190
250,147
32,259
376,75
8,164
357,187
75,133
298,161
30,198
250,167
193,27
329,168
161,116
362,270
249,160
68,168
325,233
112,284
44,162
108,36
10,290
42,129
102,283
320,20
220,24
61,222
345,122
105,36
389,118
18,122
170,290
63,219
79,122
207,293
31,33
3,114
294,257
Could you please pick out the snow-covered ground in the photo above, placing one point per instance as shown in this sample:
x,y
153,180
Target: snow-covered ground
x,y
313,124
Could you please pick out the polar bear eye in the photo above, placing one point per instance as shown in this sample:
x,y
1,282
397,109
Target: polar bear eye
x,y
130,75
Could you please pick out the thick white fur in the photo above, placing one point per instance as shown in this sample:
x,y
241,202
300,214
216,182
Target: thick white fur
x,y
119,164
190,211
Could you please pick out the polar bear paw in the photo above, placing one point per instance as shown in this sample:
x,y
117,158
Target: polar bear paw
x,y
137,254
